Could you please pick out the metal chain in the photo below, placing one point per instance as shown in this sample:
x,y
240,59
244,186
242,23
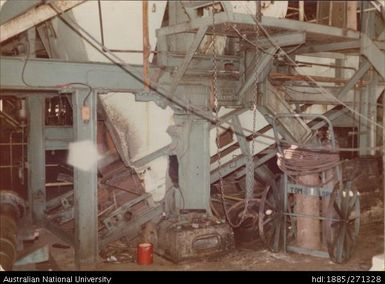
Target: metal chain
x,y
250,168
250,162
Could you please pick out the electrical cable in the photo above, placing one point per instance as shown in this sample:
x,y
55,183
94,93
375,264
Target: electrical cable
x,y
26,59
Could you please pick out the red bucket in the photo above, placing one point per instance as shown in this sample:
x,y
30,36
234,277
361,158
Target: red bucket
x,y
144,254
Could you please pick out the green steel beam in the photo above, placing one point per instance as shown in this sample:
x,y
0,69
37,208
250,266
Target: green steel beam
x,y
260,65
57,138
307,27
181,70
85,185
282,39
44,74
243,144
373,54
36,158
237,18
324,47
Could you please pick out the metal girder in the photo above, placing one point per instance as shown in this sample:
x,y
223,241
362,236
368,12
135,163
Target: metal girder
x,y
324,99
43,74
373,54
342,95
282,39
243,144
260,64
236,164
307,27
335,46
85,185
271,101
181,70
353,80
237,18
9,119
36,157
57,138
198,23
33,17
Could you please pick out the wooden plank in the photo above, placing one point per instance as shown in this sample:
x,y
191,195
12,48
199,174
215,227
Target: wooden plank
x,y
34,17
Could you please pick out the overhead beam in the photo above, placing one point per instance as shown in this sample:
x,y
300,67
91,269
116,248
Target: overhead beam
x,y
308,27
44,74
34,17
335,46
283,39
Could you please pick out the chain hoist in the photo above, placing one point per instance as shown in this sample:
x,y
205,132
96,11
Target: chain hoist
x,y
249,161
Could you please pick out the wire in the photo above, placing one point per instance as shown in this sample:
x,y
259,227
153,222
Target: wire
x,y
27,44
25,64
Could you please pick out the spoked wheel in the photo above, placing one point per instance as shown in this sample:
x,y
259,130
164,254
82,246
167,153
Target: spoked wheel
x,y
271,218
344,212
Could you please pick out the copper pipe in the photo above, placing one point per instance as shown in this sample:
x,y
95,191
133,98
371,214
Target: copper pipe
x,y
146,46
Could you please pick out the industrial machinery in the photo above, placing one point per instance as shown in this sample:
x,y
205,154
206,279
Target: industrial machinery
x,y
168,126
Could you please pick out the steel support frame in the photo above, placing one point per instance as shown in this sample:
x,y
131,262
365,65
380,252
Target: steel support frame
x,y
36,157
85,185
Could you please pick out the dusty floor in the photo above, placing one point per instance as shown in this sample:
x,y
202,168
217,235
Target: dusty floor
x,y
370,243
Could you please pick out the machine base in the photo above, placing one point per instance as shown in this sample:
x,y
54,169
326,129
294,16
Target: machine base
x,y
182,241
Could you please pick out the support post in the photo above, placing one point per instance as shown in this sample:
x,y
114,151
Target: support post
x,y
85,185
36,157
194,162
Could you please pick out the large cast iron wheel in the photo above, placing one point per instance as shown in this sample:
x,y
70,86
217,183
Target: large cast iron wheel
x,y
344,212
271,218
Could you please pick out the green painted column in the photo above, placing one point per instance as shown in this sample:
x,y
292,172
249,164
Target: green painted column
x,y
85,184
36,157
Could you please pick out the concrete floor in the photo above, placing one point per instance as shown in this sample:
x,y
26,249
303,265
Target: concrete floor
x,y
250,259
